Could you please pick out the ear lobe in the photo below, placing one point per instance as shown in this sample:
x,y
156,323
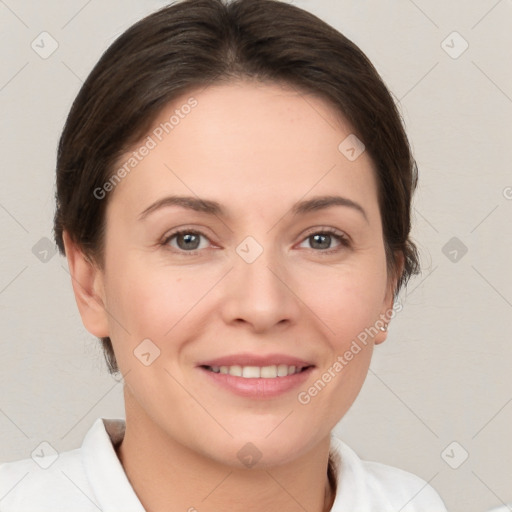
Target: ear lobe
x,y
380,337
389,300
87,282
382,324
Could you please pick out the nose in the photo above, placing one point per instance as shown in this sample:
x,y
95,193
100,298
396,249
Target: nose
x,y
260,294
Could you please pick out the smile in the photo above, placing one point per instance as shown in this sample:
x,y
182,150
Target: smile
x,y
257,372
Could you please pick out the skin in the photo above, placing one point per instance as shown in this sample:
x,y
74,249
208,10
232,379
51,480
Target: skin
x,y
256,149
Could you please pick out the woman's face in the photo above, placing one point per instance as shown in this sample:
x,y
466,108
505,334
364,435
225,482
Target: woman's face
x,y
264,277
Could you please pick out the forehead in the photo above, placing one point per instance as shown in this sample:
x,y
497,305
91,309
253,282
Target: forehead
x,y
246,143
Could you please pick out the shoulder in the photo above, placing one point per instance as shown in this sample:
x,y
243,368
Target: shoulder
x,y
404,490
43,482
368,486
86,479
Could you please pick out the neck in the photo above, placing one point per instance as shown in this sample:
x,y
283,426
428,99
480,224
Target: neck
x,y
162,471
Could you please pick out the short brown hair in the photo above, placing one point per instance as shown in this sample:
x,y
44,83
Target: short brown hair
x,y
193,43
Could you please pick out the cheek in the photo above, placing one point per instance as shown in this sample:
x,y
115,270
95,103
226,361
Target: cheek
x,y
346,302
148,307
150,304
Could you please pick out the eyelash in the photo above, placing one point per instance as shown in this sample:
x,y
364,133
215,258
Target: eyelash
x,y
342,238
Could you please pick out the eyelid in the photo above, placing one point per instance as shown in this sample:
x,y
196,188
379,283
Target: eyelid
x,y
165,240
344,239
329,230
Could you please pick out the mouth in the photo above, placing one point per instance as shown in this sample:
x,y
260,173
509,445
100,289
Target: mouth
x,y
258,372
257,377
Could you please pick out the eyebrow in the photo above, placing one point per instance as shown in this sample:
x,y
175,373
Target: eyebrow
x,y
214,208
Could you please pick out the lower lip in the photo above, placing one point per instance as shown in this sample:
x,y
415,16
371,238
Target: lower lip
x,y
258,388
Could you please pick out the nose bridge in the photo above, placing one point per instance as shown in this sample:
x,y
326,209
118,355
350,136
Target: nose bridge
x,y
257,293
255,267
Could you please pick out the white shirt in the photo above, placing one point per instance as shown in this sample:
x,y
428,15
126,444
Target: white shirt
x,y
91,479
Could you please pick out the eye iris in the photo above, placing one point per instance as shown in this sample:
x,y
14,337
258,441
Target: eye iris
x,y
322,239
191,241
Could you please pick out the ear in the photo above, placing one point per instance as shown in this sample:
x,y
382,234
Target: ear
x,y
87,282
387,304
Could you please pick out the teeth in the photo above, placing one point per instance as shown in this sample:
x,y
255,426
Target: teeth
x,y
251,372
256,372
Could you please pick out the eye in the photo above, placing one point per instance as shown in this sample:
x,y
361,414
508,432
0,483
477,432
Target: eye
x,y
186,240
322,240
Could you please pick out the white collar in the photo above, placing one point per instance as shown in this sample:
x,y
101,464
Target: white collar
x,y
102,465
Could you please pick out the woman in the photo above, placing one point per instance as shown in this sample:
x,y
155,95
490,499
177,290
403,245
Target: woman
x,y
233,199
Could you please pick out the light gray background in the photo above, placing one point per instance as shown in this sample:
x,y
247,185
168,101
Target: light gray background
x,y
442,376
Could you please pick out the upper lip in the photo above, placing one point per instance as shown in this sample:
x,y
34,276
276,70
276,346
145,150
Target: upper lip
x,y
257,360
